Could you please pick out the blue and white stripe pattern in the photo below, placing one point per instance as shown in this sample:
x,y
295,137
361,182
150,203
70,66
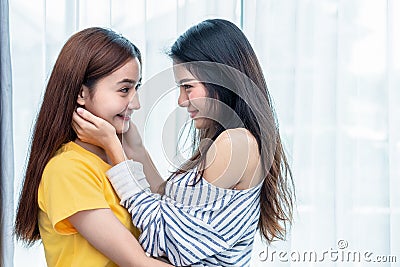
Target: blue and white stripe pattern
x,y
195,224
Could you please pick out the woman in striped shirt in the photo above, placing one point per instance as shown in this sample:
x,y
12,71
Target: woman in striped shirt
x,y
238,179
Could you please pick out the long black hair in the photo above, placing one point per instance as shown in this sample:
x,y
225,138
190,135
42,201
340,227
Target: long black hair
x,y
219,55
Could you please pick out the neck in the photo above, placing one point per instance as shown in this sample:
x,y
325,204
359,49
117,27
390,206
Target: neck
x,y
94,149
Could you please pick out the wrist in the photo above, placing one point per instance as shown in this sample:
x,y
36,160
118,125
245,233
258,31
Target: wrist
x,y
115,151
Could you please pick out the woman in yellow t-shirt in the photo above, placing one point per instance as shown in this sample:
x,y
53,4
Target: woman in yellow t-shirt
x,y
66,199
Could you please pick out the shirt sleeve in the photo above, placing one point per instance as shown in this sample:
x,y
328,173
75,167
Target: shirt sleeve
x,y
71,186
167,229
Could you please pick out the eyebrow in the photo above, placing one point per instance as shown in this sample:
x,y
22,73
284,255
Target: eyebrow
x,y
185,81
129,81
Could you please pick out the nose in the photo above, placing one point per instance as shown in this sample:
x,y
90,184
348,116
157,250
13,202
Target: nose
x,y
134,103
183,100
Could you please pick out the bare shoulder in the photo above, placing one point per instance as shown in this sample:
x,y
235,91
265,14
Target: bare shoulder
x,y
237,137
232,159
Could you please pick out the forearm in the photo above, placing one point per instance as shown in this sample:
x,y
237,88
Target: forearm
x,y
152,175
129,182
117,243
163,222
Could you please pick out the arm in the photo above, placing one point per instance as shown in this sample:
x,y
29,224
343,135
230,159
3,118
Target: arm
x,y
152,175
94,130
135,150
166,228
186,233
117,243
74,197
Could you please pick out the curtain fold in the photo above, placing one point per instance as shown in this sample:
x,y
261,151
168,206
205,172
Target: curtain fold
x,y
6,144
332,67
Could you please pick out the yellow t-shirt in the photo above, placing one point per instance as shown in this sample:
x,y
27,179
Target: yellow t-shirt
x,y
75,180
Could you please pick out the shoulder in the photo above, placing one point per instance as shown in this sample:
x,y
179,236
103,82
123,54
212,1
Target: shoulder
x,y
66,160
231,158
236,143
71,155
71,165
237,137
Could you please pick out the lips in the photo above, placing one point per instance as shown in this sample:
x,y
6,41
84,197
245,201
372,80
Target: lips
x,y
193,113
124,117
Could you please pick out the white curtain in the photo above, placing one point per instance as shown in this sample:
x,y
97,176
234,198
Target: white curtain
x,y
332,67
6,141
333,70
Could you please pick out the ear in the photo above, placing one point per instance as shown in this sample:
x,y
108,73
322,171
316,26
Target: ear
x,y
83,95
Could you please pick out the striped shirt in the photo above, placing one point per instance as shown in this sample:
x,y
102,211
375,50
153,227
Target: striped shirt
x,y
195,224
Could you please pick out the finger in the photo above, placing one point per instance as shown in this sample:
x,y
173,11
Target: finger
x,y
75,125
79,121
75,120
88,116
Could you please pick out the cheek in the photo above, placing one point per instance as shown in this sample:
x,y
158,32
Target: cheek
x,y
196,95
199,97
91,107
198,102
102,108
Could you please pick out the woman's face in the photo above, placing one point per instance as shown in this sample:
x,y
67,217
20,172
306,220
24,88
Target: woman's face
x,y
114,97
193,96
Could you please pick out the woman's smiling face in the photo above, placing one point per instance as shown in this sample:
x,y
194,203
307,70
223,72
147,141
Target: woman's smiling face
x,y
114,97
193,95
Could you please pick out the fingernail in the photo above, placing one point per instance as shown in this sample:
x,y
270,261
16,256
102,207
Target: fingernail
x,y
79,110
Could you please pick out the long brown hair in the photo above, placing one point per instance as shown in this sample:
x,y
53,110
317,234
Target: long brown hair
x,y
86,57
219,55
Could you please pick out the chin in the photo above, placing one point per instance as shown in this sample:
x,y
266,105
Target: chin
x,y
121,129
200,124
125,129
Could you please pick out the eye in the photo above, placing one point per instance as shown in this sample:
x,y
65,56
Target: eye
x,y
124,90
186,86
